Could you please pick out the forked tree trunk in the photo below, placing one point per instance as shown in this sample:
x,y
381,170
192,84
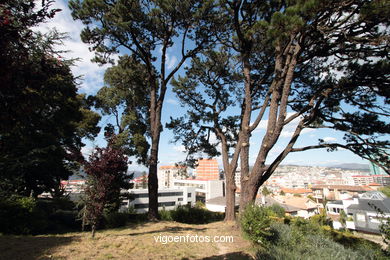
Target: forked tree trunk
x,y
248,193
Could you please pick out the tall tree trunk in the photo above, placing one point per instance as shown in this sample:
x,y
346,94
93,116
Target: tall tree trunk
x,y
155,129
152,180
230,197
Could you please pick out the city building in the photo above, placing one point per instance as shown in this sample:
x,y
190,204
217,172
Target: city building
x,y
167,199
337,192
365,180
383,180
366,212
362,180
205,189
207,169
73,186
167,174
293,206
237,178
218,204
296,191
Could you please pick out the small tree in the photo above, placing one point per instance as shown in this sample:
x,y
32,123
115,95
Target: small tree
x,y
106,172
343,218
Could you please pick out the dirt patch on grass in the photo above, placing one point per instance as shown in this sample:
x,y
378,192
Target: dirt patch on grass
x,y
133,242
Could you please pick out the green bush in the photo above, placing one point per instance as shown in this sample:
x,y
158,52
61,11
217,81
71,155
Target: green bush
x,y
255,223
278,210
194,215
293,242
115,219
64,221
321,219
165,215
20,215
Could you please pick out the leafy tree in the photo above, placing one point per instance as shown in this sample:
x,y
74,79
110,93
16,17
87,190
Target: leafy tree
x,y
126,98
148,30
106,172
343,218
320,64
216,71
265,191
43,118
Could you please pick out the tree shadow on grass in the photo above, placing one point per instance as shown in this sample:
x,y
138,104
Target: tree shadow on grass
x,y
31,247
166,229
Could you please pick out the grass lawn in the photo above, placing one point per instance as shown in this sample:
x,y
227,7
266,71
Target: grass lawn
x,y
132,242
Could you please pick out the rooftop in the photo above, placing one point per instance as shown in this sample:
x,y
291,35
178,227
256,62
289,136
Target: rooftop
x,y
342,187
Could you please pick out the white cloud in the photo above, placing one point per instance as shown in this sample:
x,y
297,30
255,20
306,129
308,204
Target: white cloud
x,y
91,73
329,139
171,61
172,101
179,148
86,151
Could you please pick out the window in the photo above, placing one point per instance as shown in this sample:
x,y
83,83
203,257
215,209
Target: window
x,y
361,217
180,199
167,204
141,206
141,195
189,195
374,219
170,194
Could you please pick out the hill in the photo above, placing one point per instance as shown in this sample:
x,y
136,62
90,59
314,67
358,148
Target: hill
x,y
352,166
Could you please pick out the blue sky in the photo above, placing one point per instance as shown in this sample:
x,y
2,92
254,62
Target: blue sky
x,y
170,153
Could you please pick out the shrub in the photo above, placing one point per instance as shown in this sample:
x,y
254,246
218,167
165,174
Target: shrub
x,y
321,219
165,215
255,223
278,210
115,219
290,242
194,215
20,215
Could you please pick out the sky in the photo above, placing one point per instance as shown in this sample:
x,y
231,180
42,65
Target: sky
x,y
92,81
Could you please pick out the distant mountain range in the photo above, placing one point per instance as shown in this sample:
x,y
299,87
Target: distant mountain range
x,y
351,166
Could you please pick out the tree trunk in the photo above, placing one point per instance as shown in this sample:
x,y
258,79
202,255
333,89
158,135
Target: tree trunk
x,y
152,179
230,197
248,194
155,125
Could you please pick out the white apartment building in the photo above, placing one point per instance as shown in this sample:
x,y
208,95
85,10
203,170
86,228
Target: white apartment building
x,y
167,199
208,189
362,180
167,174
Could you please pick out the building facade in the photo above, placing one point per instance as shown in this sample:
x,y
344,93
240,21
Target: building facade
x,y
167,174
167,199
207,169
205,189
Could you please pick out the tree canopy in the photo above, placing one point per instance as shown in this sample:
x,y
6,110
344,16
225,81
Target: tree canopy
x,y
321,64
43,117
147,30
